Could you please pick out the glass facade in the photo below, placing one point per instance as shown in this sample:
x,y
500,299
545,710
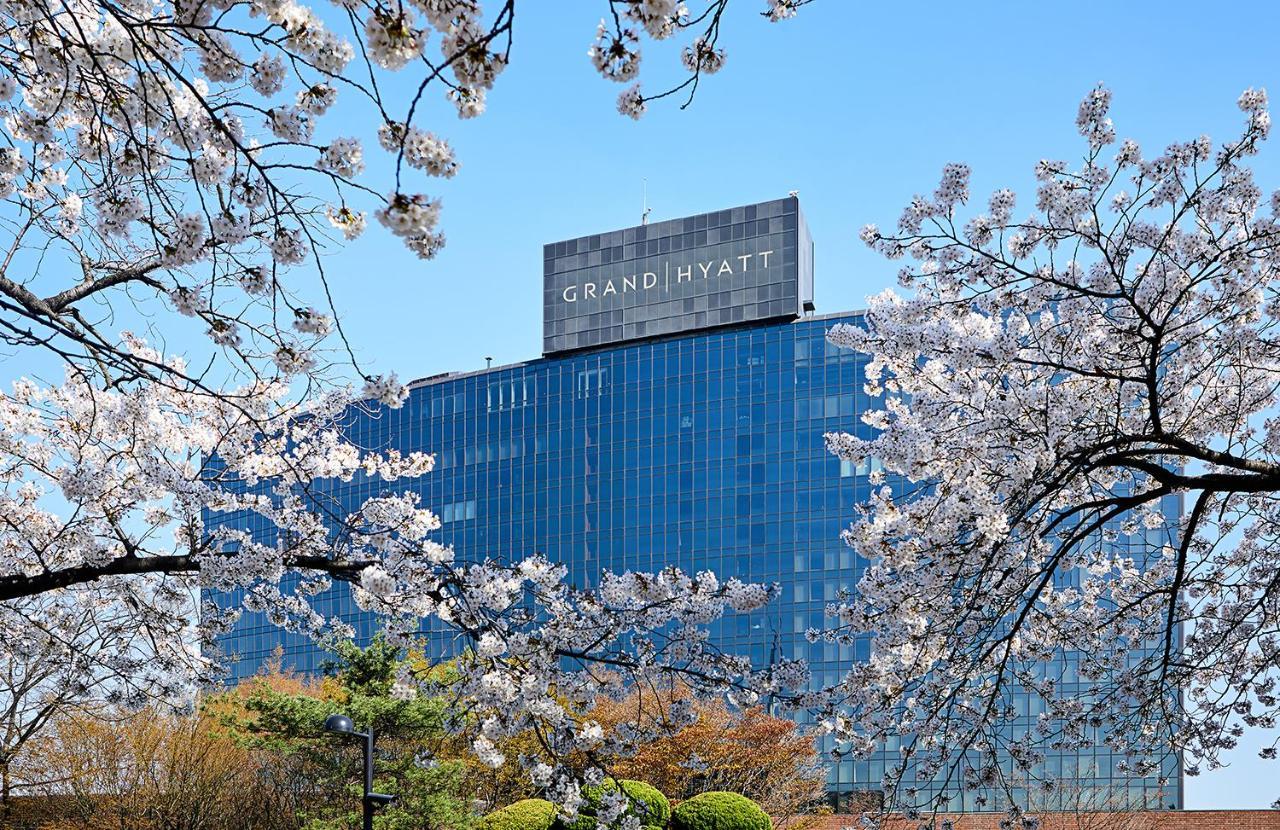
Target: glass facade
x,y
704,452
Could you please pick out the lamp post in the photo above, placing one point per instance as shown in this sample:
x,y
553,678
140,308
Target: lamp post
x,y
342,725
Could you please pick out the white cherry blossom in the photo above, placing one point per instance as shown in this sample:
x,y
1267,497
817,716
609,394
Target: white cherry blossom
x,y
1048,392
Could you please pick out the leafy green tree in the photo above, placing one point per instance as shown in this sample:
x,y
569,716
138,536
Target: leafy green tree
x,y
288,721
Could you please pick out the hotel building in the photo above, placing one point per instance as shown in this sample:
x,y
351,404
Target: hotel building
x,y
675,417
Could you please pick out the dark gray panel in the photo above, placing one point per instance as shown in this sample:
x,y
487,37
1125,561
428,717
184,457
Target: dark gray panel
x,y
738,265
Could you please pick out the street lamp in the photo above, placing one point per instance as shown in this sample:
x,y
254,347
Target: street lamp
x,y
342,725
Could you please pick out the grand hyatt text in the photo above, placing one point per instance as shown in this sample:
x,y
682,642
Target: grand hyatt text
x,y
649,279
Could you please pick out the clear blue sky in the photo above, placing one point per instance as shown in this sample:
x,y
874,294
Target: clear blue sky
x,y
855,105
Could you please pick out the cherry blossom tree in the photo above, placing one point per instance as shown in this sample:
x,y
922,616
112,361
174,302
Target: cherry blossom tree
x,y
1053,388
59,656
167,176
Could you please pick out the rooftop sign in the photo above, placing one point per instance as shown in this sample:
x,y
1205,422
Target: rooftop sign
x,y
733,266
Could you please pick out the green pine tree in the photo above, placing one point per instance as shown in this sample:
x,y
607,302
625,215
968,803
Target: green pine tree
x,y
324,772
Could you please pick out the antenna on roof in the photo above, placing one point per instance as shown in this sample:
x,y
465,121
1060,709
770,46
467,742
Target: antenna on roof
x,y
644,217
488,362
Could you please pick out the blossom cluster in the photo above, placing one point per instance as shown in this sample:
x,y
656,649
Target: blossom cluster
x,y
616,53
531,632
1044,396
171,148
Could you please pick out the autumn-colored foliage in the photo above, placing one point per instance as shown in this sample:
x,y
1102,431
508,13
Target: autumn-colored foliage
x,y
153,769
255,758
768,759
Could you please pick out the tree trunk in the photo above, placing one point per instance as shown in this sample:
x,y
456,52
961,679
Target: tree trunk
x,y
6,805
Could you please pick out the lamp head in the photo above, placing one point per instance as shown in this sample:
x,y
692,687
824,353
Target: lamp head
x,y
341,724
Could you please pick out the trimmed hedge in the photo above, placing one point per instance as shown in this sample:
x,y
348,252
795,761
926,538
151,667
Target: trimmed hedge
x,y
647,803
528,814
719,811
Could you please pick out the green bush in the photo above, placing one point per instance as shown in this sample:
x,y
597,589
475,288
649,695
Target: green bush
x,y
647,803
719,811
529,814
